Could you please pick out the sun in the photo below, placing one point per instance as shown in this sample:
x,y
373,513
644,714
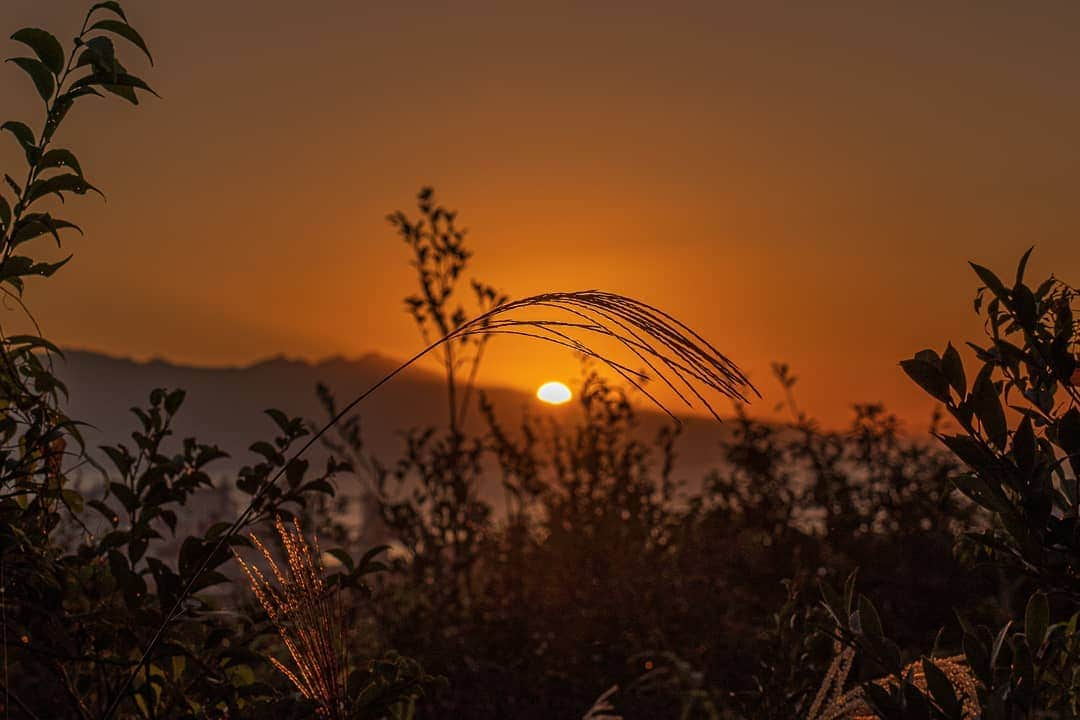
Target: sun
x,y
554,393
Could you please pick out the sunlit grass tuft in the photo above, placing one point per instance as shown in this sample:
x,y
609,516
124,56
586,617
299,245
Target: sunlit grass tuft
x,y
308,617
832,702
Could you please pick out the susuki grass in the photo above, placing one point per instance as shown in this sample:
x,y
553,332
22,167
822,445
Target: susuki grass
x,y
833,702
309,617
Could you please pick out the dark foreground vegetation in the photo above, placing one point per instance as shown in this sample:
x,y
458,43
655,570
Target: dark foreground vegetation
x,y
810,564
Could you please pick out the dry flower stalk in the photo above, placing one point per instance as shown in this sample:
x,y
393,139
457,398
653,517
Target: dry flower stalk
x,y
309,619
832,702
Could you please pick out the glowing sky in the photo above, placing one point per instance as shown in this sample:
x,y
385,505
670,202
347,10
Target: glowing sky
x,y
800,181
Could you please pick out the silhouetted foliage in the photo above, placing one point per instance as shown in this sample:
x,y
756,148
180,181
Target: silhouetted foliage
x,y
105,609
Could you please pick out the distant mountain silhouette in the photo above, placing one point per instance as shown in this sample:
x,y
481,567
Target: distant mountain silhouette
x,y
224,405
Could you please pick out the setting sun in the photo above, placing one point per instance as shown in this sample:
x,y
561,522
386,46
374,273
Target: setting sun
x,y
554,393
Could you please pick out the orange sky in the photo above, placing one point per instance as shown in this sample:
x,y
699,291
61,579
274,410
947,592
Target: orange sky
x,y
800,184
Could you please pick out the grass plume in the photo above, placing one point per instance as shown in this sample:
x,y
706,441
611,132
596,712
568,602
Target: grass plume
x,y
308,617
832,702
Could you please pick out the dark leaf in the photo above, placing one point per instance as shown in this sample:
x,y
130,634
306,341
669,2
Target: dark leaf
x,y
979,491
990,280
13,185
125,495
986,403
34,225
22,133
1024,307
34,341
45,46
60,158
953,368
1036,621
1023,446
267,451
110,5
1068,434
105,510
367,562
941,690
928,376
104,81
295,471
868,618
1023,266
343,557
40,74
280,419
978,659
173,401
125,31
59,184
319,486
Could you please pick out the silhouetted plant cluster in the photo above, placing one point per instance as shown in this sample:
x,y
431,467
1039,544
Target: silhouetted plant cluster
x,y
600,568
104,610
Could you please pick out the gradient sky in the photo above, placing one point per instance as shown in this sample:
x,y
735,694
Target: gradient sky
x,y
802,184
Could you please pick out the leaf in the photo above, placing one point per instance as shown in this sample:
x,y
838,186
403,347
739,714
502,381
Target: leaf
x,y
5,212
100,54
126,496
267,451
295,471
73,500
124,91
999,641
941,689
45,46
832,602
45,269
59,184
110,5
975,488
125,31
40,74
22,133
13,185
34,225
1023,446
1036,621
868,618
927,376
343,557
977,659
987,406
367,562
121,80
60,158
280,419
318,486
1024,307
1068,434
105,510
34,341
953,369
173,401
990,280
1022,266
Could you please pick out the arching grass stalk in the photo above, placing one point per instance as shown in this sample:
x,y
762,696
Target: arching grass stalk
x,y
671,351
